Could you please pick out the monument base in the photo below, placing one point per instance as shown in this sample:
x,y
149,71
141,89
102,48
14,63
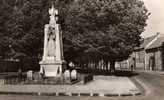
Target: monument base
x,y
52,68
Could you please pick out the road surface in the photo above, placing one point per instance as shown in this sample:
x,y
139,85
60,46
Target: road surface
x,y
153,81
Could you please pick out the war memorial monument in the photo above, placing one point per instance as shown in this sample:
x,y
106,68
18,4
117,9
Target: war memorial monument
x,y
52,64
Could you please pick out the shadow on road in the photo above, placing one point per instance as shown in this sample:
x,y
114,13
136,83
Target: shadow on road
x,y
125,73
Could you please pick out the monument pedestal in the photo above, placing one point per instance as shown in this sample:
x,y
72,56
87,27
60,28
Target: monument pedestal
x,y
52,68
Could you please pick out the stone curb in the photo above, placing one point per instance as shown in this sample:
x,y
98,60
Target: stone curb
x,y
147,90
69,94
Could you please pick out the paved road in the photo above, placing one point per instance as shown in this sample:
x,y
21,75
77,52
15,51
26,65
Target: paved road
x,y
155,82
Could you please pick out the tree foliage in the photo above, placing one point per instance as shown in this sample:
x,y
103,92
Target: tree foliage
x,y
92,29
105,29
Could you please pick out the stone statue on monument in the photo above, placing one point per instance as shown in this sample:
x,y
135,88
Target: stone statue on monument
x,y
53,16
51,46
51,42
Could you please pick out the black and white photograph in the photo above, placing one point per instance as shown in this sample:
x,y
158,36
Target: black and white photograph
x,y
81,49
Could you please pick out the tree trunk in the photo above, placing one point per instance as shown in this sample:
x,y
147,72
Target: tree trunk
x,y
106,64
112,66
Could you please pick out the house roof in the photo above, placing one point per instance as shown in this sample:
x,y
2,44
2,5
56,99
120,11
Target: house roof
x,y
157,43
145,42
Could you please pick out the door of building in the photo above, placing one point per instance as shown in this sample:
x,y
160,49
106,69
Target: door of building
x,y
152,63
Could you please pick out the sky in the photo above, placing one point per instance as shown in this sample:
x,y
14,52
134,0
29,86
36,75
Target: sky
x,y
155,23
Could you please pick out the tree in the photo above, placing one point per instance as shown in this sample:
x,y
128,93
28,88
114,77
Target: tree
x,y
106,29
22,23
22,27
93,30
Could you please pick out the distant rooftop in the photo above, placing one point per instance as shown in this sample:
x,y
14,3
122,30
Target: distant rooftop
x,y
147,41
157,43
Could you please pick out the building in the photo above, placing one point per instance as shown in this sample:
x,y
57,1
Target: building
x,y
140,53
154,55
149,56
